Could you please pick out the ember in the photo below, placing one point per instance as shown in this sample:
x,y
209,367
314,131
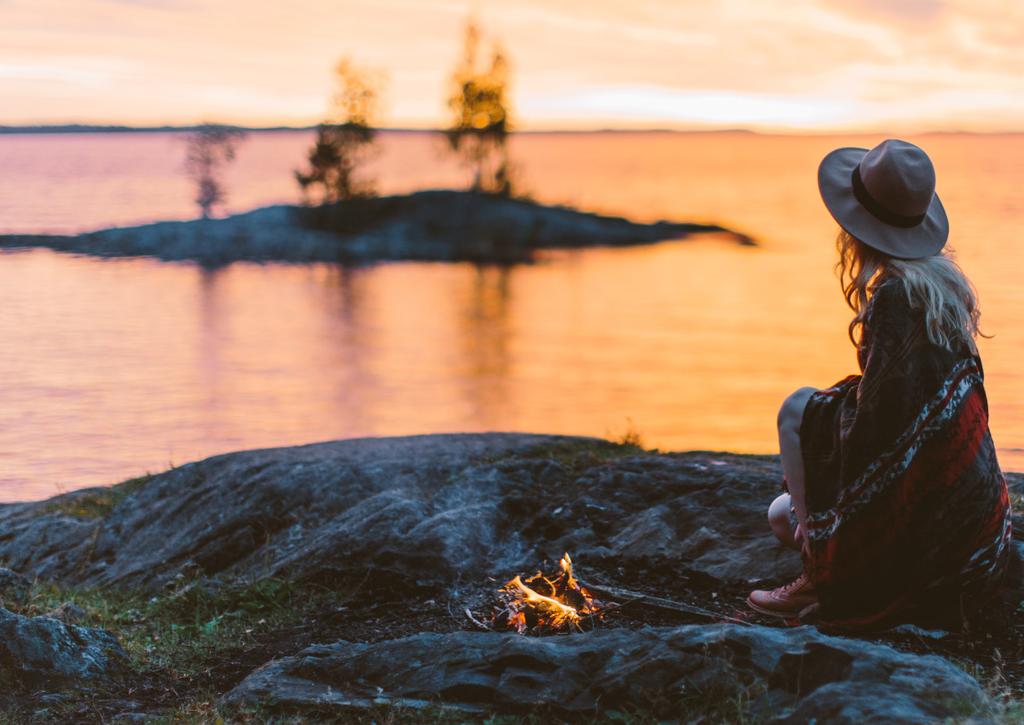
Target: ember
x,y
541,604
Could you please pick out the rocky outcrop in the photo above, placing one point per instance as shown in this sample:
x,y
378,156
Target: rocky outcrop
x,y
424,510
794,675
407,534
429,225
42,651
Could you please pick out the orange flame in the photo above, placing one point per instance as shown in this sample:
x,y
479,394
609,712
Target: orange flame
x,y
563,605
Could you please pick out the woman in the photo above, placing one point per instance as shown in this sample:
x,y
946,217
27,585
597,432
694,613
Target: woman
x,y
895,498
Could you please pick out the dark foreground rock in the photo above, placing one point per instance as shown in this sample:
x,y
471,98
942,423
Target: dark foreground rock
x,y
42,651
13,587
427,225
425,511
794,675
381,545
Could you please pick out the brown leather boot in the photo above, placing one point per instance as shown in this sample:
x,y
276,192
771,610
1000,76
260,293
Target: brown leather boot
x,y
787,601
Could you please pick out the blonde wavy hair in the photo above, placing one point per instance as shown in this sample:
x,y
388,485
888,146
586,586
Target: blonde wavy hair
x,y
936,284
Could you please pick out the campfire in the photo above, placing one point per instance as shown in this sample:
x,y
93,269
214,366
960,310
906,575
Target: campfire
x,y
547,604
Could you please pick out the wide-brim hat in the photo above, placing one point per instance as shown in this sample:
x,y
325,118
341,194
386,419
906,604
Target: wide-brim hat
x,y
886,198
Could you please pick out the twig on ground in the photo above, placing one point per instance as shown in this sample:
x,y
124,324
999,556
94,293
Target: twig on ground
x,y
476,621
670,605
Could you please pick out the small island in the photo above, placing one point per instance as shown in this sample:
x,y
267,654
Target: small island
x,y
436,225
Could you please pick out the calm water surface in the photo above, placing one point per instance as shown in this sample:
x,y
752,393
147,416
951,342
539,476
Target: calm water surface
x,y
112,368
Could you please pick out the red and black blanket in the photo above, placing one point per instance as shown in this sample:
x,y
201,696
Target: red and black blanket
x,y
908,511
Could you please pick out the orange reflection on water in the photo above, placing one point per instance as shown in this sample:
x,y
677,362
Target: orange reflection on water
x,y
116,367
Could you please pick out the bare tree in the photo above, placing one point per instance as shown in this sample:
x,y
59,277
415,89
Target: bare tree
x,y
344,141
480,115
209,148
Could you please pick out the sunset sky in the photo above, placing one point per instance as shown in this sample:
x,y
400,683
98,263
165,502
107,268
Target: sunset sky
x,y
796,65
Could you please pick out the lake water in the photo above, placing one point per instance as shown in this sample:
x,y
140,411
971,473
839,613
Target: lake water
x,y
113,368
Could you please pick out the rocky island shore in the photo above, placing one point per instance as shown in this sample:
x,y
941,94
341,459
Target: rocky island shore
x,y
436,225
356,580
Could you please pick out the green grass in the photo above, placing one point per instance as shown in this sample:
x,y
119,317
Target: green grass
x,y
182,629
1005,702
95,503
578,454
173,640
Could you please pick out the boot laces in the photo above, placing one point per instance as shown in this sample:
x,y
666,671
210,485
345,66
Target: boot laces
x,y
797,583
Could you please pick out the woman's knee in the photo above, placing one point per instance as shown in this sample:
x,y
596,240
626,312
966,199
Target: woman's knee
x,y
792,410
778,511
779,519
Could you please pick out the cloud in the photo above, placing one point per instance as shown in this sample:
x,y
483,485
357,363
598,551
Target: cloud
x,y
73,70
745,62
657,105
161,4
907,11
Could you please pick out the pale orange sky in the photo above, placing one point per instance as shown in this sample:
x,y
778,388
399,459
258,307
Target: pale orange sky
x,y
794,65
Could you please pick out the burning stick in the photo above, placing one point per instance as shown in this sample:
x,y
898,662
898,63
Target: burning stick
x,y
542,604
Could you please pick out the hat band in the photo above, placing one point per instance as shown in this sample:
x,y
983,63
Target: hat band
x,y
877,210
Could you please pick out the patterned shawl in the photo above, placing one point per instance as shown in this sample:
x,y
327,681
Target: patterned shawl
x,y
908,511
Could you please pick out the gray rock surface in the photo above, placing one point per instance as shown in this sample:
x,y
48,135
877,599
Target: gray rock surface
x,y
433,225
791,675
426,519
68,613
427,510
14,588
41,651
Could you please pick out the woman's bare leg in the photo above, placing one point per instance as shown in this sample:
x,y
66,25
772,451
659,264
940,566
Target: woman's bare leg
x,y
790,415
799,597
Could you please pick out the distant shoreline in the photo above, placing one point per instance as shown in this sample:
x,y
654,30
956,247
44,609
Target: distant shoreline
x,y
79,128
90,128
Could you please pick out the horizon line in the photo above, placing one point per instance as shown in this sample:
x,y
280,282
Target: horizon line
x,y
61,128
